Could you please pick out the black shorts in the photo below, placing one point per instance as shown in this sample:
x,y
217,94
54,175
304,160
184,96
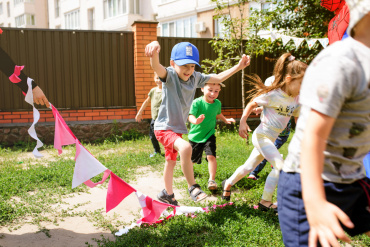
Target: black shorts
x,y
209,147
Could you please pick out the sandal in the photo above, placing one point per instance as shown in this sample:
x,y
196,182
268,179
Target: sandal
x,y
166,198
226,198
265,209
196,194
212,185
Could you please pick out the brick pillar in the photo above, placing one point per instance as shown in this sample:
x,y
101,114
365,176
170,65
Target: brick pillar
x,y
144,33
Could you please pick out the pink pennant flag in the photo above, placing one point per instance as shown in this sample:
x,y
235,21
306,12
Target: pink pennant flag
x,y
117,191
17,71
87,166
91,184
152,209
63,134
1,31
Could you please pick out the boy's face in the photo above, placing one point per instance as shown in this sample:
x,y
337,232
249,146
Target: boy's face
x,y
211,92
183,71
156,79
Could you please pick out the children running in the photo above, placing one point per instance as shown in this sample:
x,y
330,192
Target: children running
x,y
204,113
331,140
180,81
155,99
280,102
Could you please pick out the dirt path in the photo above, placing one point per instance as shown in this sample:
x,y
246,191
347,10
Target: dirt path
x,y
75,231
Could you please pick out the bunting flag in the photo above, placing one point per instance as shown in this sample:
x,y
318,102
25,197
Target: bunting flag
x,y
36,118
285,39
324,42
17,71
91,184
62,133
297,42
151,209
86,167
1,31
117,191
310,43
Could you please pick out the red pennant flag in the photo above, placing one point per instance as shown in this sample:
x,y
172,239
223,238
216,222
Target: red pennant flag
x,y
1,31
153,210
17,71
117,191
63,134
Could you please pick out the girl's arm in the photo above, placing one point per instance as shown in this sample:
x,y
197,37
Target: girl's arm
x,y
142,108
244,128
225,120
322,216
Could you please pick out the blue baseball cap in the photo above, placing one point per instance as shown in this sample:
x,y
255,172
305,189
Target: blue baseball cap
x,y
185,53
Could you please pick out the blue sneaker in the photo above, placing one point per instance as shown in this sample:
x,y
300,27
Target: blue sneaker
x,y
152,155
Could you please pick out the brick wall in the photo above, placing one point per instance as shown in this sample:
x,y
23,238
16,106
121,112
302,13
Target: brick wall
x,y
68,115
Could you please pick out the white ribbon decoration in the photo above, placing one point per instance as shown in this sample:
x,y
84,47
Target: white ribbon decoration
x,y
36,118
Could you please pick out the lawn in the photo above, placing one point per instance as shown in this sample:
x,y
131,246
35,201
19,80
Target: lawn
x,y
29,186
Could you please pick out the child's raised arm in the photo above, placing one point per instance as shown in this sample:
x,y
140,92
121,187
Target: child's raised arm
x,y
243,63
152,50
142,108
322,216
244,127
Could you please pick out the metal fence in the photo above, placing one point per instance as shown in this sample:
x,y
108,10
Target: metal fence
x,y
75,69
231,95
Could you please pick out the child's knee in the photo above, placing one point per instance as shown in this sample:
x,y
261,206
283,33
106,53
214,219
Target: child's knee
x,y
211,158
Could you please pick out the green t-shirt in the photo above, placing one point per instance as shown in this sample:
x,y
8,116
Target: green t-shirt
x,y
201,132
155,101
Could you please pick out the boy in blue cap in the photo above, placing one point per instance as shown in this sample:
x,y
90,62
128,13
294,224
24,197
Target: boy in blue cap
x,y
180,81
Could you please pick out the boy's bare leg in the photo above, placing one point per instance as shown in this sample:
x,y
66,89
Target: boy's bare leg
x,y
212,166
169,166
185,150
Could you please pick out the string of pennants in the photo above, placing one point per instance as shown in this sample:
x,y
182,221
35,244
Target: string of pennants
x,y
87,167
298,41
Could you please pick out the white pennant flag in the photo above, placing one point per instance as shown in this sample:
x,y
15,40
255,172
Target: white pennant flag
x,y
324,42
285,39
297,42
310,42
36,118
87,166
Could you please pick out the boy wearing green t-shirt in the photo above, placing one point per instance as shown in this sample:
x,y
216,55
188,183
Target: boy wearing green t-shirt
x,y
203,115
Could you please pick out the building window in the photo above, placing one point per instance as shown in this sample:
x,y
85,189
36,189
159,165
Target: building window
x,y
114,7
219,26
1,8
25,19
57,8
72,19
91,18
8,8
135,7
180,28
22,1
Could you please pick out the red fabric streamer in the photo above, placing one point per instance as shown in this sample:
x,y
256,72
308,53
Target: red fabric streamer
x,y
17,71
117,191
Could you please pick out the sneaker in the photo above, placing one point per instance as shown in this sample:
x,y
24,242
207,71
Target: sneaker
x,y
153,154
166,198
254,177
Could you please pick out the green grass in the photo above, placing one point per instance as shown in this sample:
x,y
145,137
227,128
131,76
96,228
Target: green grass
x,y
29,187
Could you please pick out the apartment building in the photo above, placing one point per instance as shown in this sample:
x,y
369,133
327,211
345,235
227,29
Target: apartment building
x,y
24,13
99,14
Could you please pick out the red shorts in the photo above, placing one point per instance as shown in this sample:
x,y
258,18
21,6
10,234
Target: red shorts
x,y
168,138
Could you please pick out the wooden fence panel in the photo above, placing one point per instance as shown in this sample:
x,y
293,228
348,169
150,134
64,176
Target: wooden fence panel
x,y
75,69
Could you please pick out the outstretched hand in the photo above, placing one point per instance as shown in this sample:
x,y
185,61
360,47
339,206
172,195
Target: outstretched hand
x,y
324,224
230,120
152,48
200,119
39,97
243,130
244,62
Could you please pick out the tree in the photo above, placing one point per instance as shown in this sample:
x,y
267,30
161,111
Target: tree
x,y
303,19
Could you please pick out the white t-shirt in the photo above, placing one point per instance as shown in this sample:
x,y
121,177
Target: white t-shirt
x,y
278,107
337,84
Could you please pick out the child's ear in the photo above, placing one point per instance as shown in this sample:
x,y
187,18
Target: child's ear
x,y
202,89
172,63
288,78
